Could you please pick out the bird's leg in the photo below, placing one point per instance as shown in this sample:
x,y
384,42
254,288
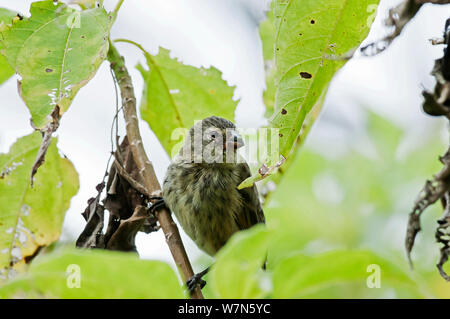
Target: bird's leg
x,y
157,205
197,280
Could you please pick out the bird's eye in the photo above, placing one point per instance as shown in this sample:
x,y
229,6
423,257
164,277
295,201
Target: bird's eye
x,y
213,136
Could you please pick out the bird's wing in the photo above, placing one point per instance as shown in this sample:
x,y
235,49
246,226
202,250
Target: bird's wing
x,y
252,212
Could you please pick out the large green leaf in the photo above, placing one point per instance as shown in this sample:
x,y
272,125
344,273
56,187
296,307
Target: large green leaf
x,y
6,71
310,36
102,274
330,274
307,32
56,52
237,272
175,95
31,217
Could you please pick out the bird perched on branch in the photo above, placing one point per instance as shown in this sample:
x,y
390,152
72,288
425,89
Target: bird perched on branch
x,y
200,188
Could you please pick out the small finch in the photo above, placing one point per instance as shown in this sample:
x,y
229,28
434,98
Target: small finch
x,y
200,187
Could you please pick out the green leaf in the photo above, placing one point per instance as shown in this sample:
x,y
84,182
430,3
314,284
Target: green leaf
x,y
307,33
267,34
237,272
6,17
307,126
310,36
175,95
330,274
5,70
102,274
56,52
31,217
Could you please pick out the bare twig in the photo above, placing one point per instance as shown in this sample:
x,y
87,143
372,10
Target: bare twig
x,y
436,103
145,167
46,132
430,194
443,237
397,19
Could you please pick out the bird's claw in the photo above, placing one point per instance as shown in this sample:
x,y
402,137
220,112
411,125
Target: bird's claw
x,y
157,205
194,282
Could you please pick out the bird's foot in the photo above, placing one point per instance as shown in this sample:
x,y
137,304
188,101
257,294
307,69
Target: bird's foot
x,y
194,282
158,204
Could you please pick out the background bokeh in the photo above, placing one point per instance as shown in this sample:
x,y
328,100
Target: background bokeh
x,y
365,160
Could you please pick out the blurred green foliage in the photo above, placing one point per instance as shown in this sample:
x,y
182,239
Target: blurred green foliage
x,y
94,274
332,217
237,272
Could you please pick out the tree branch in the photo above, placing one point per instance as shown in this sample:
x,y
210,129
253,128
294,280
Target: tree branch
x,y
436,103
398,18
151,183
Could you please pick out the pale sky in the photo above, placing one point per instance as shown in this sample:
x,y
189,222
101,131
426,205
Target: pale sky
x,y
224,34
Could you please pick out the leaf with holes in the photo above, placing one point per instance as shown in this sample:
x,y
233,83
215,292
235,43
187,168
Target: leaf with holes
x,y
55,52
6,18
310,36
307,34
31,218
175,95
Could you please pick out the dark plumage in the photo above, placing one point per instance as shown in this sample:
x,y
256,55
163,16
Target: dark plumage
x,y
204,195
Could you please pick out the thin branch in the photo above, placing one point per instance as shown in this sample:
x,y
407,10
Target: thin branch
x,y
436,104
144,165
443,236
398,18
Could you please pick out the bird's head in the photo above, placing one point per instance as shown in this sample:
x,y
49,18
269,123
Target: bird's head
x,y
212,140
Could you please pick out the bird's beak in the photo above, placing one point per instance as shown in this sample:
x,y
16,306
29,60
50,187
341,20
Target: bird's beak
x,y
235,141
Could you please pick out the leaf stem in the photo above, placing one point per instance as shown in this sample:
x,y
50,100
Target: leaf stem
x,y
137,45
133,43
117,8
